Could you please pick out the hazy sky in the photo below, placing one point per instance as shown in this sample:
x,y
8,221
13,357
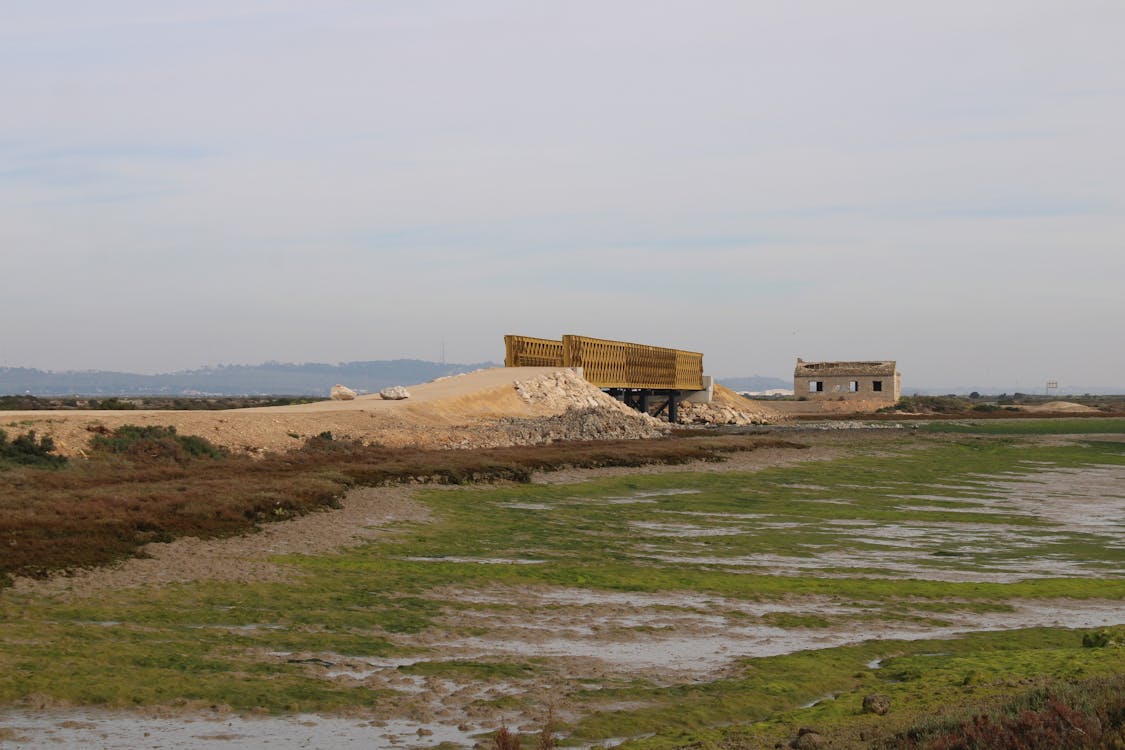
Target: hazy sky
x,y
204,182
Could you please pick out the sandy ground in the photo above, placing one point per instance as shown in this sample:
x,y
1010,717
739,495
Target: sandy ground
x,y
473,410
429,418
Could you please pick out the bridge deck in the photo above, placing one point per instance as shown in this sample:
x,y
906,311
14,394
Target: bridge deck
x,y
610,364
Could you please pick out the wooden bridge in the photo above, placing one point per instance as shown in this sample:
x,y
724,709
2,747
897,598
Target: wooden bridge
x,y
631,372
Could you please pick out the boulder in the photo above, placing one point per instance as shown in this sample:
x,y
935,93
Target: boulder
x,y
394,393
876,704
342,393
809,739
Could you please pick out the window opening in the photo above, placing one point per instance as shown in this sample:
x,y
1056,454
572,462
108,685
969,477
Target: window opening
x,y
876,385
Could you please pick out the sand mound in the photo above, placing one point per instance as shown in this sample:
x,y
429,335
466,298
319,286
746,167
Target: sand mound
x,y
1067,407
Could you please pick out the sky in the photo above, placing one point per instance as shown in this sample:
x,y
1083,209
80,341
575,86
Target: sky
x,y
943,184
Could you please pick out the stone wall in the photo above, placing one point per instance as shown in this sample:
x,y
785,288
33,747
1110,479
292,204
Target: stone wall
x,y
839,387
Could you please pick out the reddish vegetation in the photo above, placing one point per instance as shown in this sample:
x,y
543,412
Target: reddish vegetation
x,y
1054,726
98,510
1083,716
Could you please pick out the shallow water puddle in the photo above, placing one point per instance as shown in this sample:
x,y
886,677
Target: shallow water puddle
x,y
705,514
893,565
641,497
663,493
475,560
682,529
1088,497
1057,505
698,647
82,729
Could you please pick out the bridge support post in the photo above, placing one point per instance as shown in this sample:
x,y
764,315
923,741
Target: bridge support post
x,y
641,399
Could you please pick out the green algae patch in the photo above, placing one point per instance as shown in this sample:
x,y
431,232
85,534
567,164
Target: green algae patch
x,y
120,666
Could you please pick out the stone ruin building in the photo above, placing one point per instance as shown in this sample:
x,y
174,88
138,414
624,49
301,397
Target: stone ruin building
x,y
847,381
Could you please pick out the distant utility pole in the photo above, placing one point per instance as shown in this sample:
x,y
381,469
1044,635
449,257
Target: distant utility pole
x,y
443,352
1051,384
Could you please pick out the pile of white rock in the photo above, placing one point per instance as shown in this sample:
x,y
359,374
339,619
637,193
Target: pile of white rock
x,y
566,390
718,414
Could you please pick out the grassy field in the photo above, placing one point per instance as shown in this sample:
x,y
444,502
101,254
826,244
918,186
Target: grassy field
x,y
878,571
135,491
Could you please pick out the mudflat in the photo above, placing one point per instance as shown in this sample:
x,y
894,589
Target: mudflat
x,y
606,604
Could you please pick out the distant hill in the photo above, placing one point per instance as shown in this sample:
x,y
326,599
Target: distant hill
x,y
268,379
755,383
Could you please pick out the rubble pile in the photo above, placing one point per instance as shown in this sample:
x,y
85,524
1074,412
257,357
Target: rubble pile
x,y
718,414
729,408
582,424
580,411
564,390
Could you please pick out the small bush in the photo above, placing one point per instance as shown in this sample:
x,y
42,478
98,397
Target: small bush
x,y
326,442
155,442
505,740
1104,639
930,405
28,450
113,403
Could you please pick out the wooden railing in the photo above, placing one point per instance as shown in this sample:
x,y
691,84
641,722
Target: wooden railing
x,y
610,364
525,351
